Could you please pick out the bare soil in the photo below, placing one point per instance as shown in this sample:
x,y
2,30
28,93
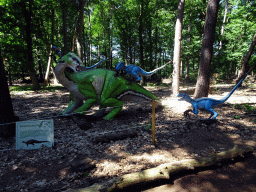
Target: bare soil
x,y
178,138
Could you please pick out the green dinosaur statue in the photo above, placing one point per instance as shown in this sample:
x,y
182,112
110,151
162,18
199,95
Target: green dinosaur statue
x,y
96,86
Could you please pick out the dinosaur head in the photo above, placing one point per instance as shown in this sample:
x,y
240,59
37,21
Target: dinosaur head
x,y
118,68
67,65
71,62
183,97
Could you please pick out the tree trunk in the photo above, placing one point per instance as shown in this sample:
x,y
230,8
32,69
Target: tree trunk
x,y
10,75
80,24
46,78
203,79
222,32
28,19
141,27
177,49
41,76
150,45
246,60
49,63
6,108
188,40
164,171
65,36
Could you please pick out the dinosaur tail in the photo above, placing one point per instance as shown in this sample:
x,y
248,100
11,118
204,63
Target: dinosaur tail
x,y
155,70
96,64
237,85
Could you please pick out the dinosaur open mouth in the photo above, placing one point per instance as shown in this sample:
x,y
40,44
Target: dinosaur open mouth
x,y
69,70
78,69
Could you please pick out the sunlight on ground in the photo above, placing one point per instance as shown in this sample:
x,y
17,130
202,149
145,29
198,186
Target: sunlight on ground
x,y
176,105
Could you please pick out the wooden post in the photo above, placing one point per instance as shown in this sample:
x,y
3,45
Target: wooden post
x,y
153,123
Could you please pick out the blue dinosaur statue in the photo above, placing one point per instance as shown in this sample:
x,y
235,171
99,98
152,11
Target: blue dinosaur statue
x,y
57,51
135,71
78,61
207,103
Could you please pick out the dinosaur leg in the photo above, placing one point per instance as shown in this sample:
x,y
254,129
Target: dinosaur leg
x,y
195,111
73,105
112,102
138,78
213,113
86,106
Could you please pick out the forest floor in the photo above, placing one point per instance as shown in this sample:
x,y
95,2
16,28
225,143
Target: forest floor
x,y
177,138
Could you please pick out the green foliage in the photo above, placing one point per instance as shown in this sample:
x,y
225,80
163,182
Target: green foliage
x,y
112,28
85,174
249,109
237,117
148,126
246,107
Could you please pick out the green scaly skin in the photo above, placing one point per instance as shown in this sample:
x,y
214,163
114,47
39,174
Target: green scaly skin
x,y
99,86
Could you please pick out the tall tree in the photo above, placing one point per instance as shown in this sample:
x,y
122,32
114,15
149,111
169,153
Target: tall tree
x,y
203,79
30,59
79,28
177,49
64,21
222,31
6,108
141,27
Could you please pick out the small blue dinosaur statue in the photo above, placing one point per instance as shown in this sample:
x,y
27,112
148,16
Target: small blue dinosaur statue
x,y
207,103
135,71
81,68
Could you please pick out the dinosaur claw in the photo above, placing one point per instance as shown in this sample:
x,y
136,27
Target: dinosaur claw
x,y
186,113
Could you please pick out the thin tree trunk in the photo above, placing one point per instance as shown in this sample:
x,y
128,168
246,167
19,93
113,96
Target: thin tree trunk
x,y
9,72
28,19
246,59
150,45
41,76
65,36
189,39
111,49
177,49
222,32
10,75
49,63
203,79
90,41
80,25
141,37
46,78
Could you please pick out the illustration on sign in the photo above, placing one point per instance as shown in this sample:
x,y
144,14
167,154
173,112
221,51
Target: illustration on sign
x,y
34,134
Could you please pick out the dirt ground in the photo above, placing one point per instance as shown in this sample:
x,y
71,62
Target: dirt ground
x,y
178,138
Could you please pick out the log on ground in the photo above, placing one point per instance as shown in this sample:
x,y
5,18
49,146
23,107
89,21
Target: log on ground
x,y
165,170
